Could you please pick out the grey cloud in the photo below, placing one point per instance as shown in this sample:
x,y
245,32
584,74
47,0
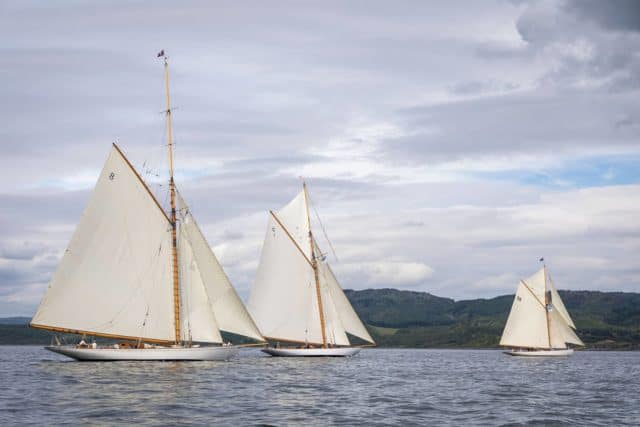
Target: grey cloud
x,y
569,121
476,87
582,49
626,121
613,14
22,251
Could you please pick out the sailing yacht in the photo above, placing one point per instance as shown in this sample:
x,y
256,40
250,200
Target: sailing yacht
x,y
296,299
143,277
539,324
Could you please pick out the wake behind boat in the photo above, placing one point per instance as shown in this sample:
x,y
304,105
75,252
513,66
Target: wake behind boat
x,y
296,299
539,324
147,279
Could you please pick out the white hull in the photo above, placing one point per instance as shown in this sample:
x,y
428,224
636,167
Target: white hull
x,y
312,352
158,353
541,353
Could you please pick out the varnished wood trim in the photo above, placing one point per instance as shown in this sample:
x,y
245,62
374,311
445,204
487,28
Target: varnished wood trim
x,y
314,264
292,341
98,334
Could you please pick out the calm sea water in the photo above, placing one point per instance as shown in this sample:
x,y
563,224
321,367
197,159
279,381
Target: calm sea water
x,y
377,387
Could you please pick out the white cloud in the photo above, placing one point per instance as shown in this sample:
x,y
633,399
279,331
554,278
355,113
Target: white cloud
x,y
394,274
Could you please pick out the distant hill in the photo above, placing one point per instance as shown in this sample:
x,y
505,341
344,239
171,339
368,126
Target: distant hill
x,y
14,320
605,320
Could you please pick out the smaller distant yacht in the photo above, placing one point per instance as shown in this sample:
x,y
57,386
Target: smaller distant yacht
x,y
539,324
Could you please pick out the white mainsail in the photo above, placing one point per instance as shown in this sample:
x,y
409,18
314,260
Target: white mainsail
x,y
284,300
115,278
213,285
534,324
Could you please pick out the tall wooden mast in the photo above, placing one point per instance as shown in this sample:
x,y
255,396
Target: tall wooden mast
x,y
547,301
314,265
172,193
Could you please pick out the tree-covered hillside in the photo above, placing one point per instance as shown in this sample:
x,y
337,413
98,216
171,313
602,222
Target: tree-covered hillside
x,y
397,318
417,319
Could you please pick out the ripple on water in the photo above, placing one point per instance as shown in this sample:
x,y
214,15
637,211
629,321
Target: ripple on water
x,y
377,387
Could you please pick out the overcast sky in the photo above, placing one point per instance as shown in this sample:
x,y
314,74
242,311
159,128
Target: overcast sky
x,y
447,146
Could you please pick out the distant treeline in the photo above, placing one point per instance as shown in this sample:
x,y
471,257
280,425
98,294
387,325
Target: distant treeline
x,y
605,320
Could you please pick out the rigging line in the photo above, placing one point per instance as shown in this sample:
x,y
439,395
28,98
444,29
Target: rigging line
x,y
324,232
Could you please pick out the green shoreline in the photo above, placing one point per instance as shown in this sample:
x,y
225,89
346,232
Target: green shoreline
x,y
407,319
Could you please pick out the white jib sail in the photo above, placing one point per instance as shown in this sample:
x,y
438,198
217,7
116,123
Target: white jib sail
x,y
558,304
559,331
334,329
198,322
349,320
223,301
115,278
